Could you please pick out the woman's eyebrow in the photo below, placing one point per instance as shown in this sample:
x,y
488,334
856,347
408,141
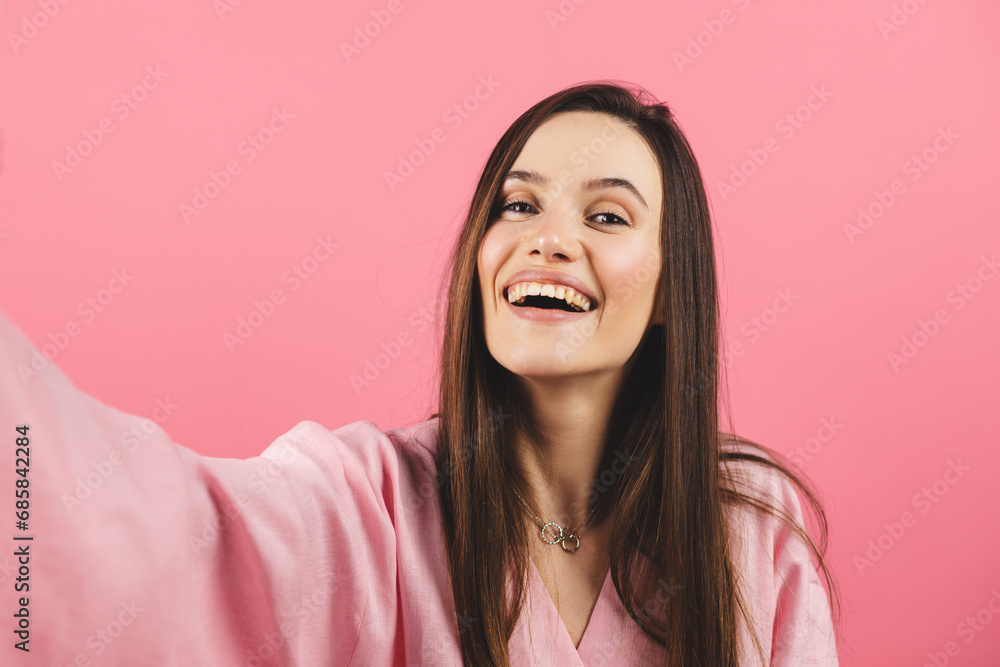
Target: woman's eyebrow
x,y
531,176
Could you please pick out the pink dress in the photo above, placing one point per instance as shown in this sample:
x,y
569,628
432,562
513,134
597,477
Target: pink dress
x,y
324,550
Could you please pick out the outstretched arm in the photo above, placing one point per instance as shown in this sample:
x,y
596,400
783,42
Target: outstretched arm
x,y
143,552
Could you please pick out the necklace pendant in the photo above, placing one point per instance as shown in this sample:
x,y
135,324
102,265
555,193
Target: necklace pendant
x,y
547,532
576,542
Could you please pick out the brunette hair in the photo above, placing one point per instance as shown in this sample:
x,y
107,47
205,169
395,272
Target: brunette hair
x,y
668,503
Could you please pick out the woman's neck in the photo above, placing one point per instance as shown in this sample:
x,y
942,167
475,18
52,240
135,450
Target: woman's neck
x,y
572,414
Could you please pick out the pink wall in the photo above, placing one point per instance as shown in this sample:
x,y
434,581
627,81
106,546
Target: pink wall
x,y
868,348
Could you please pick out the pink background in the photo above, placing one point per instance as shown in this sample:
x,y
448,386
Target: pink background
x,y
815,381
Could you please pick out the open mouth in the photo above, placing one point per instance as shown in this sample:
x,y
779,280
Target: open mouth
x,y
560,300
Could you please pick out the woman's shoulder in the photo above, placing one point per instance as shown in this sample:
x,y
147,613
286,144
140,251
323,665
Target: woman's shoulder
x,y
776,567
757,471
762,502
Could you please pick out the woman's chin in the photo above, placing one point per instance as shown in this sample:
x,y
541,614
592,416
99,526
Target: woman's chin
x,y
546,368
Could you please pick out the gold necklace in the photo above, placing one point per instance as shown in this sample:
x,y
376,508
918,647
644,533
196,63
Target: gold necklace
x,y
564,534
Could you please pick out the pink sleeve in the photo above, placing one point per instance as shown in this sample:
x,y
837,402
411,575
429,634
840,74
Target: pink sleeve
x,y
147,553
803,627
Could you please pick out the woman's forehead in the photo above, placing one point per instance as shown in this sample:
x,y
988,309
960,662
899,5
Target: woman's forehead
x,y
573,147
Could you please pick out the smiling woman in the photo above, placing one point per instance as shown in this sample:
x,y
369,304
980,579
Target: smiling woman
x,y
588,239
573,501
582,200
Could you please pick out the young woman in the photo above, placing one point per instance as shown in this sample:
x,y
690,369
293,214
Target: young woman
x,y
573,501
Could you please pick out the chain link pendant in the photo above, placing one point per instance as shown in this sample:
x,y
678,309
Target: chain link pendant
x,y
570,537
549,536
546,531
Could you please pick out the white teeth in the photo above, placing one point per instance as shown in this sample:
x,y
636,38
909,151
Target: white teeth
x,y
517,292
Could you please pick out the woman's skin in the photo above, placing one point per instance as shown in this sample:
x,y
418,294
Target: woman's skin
x,y
572,371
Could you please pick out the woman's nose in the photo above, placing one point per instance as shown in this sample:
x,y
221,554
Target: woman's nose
x,y
555,232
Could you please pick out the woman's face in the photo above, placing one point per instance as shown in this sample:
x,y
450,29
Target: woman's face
x,y
580,229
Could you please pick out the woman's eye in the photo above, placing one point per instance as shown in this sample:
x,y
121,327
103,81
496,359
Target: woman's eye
x,y
619,220
521,206
516,202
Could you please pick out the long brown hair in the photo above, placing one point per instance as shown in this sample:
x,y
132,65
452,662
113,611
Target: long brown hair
x,y
668,503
